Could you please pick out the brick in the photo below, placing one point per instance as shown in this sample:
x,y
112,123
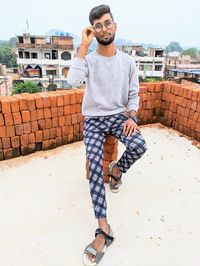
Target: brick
x,y
46,134
47,113
8,119
17,118
26,116
24,139
34,126
38,101
30,103
68,120
1,146
15,152
72,98
197,127
194,105
10,131
39,136
67,110
41,124
65,130
53,100
1,120
33,115
59,99
5,104
27,128
58,141
54,111
30,148
61,121
6,143
80,118
66,99
72,109
46,100
15,141
14,104
19,130
110,140
187,93
55,122
77,108
58,131
60,111
48,123
40,114
52,133
52,144
70,138
31,138
142,89
74,119
76,128
22,101
81,127
150,87
7,154
45,145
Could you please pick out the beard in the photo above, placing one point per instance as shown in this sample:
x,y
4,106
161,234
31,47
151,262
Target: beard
x,y
106,41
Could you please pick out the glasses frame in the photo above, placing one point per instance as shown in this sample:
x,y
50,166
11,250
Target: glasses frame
x,y
104,24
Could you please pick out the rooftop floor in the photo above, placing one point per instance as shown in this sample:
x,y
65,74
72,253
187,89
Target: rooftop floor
x,y
47,217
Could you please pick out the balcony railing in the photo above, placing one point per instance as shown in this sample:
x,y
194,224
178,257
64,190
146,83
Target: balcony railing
x,y
44,46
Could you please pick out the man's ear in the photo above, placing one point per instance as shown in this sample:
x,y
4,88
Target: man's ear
x,y
115,25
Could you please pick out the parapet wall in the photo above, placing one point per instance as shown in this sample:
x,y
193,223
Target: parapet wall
x,y
41,121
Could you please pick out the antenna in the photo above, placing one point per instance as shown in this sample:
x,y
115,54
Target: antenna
x,y
27,24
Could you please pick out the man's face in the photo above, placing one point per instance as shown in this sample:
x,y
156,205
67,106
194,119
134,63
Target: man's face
x,y
105,29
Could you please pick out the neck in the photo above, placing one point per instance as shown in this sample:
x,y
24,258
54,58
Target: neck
x,y
106,50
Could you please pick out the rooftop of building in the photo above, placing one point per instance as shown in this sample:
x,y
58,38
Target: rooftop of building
x,y
47,217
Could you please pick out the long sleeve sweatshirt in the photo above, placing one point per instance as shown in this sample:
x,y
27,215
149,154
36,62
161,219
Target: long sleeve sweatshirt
x,y
111,83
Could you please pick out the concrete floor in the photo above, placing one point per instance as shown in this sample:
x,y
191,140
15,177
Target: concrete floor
x,y
47,218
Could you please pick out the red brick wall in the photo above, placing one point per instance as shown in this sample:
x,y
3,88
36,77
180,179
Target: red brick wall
x,y
31,122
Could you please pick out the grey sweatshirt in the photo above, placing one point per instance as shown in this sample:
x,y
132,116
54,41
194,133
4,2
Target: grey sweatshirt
x,y
111,83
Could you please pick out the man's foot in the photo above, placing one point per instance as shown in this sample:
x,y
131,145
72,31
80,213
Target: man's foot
x,y
98,244
95,251
115,177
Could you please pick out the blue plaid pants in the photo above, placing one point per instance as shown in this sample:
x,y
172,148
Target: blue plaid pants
x,y
95,131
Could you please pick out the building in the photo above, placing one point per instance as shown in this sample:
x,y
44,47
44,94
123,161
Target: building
x,y
44,56
152,64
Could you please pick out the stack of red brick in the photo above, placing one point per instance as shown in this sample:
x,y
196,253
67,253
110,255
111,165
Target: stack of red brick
x,y
31,122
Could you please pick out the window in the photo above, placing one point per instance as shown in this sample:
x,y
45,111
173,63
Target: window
x,y
66,56
54,54
34,55
158,68
21,39
141,67
51,72
47,55
20,54
32,39
27,55
48,40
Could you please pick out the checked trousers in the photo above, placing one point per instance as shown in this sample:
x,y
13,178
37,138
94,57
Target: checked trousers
x,y
95,131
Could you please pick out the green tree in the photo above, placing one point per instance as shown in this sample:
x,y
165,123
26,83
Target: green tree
x,y
193,52
7,56
173,47
26,86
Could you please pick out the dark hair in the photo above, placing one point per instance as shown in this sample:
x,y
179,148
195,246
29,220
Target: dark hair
x,y
98,11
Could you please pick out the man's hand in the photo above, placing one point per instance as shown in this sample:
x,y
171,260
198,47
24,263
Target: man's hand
x,y
87,36
130,127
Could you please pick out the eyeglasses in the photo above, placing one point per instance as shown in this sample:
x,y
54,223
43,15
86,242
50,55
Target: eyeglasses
x,y
98,27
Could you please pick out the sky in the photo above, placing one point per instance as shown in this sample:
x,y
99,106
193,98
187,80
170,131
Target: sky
x,y
144,21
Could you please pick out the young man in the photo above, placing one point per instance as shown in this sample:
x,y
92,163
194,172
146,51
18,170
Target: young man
x,y
110,105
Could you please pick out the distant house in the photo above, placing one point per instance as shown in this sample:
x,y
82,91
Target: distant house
x,y
44,56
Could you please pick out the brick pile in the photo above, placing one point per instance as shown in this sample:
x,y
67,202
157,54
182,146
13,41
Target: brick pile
x,y
41,121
